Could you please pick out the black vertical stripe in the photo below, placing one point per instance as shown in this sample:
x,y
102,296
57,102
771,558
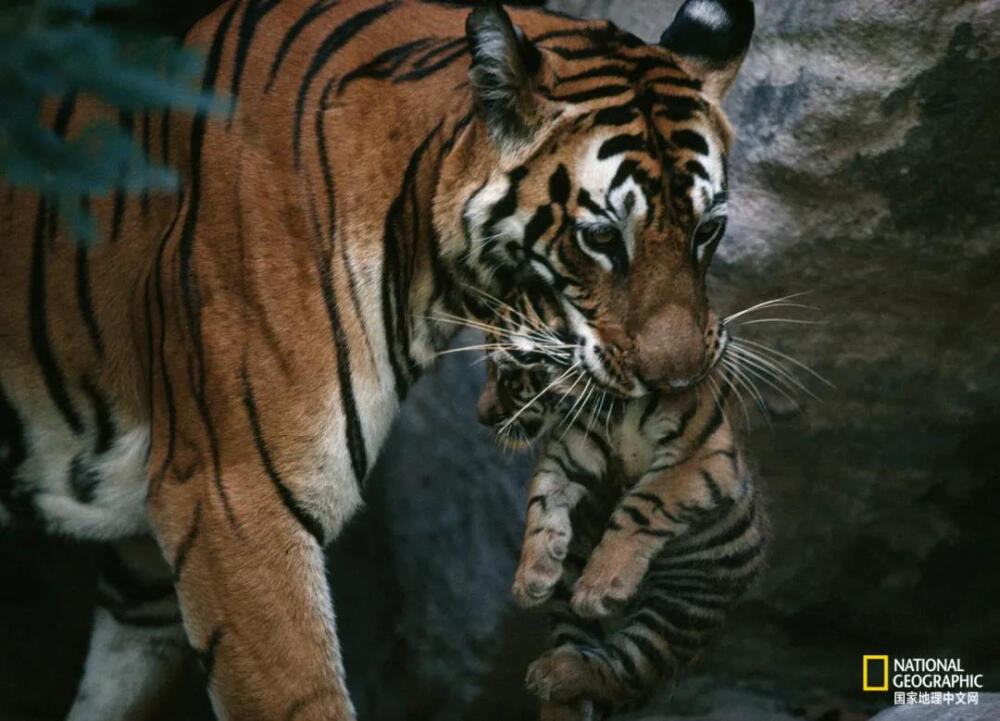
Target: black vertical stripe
x,y
84,301
338,38
331,214
306,519
207,657
165,137
394,288
503,208
310,15
64,113
713,487
147,304
168,391
188,282
352,427
102,417
127,123
443,280
52,373
255,12
559,185
187,543
144,196
713,424
12,436
540,222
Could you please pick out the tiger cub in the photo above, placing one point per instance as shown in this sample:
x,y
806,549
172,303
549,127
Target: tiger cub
x,y
643,528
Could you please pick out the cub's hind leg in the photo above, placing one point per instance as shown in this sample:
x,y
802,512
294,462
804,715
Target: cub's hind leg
x,y
138,650
683,601
570,632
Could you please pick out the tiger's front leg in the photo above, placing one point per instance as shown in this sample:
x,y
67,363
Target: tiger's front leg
x,y
245,490
254,597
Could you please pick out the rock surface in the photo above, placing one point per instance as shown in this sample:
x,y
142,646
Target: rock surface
x,y
866,172
987,709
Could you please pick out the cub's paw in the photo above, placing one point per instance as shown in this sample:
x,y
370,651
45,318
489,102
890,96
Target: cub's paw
x,y
562,675
541,566
611,577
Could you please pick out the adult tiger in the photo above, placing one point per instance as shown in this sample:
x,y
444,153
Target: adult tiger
x,y
222,371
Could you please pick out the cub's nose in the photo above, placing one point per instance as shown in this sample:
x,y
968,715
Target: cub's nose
x,y
489,409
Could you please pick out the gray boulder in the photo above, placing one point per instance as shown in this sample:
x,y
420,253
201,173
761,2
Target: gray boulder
x,y
988,709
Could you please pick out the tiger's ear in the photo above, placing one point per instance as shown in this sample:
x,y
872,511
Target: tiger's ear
x,y
504,64
709,39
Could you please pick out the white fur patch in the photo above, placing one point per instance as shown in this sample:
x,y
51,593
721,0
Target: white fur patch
x,y
118,508
126,667
708,13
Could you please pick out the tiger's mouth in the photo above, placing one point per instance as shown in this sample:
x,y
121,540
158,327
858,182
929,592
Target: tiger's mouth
x,y
591,370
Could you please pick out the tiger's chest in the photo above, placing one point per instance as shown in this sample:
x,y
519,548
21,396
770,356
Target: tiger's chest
x,y
89,484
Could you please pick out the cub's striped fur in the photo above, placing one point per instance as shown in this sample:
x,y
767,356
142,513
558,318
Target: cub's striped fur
x,y
641,512
220,374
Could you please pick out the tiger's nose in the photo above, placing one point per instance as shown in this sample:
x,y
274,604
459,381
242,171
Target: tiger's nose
x,y
670,351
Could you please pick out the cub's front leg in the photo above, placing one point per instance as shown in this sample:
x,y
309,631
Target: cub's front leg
x,y
666,503
551,499
547,535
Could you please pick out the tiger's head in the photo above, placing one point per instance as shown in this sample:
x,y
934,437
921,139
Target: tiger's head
x,y
609,183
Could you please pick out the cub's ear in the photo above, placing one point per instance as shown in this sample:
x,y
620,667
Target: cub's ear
x,y
504,64
709,39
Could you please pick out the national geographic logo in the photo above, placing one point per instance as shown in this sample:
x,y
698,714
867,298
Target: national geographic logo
x,y
921,680
875,673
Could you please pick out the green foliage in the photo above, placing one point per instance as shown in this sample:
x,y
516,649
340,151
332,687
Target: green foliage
x,y
52,48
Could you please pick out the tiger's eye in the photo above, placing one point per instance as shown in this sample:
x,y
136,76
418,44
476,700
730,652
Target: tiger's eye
x,y
602,236
709,231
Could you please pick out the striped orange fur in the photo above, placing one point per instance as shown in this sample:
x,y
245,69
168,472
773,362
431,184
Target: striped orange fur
x,y
220,373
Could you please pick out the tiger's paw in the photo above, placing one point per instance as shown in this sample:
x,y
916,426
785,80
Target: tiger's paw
x,y
611,577
541,565
562,675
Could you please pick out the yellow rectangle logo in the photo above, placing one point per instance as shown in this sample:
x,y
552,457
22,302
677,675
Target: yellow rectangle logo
x,y
869,679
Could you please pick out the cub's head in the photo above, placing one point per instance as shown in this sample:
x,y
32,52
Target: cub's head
x,y
610,182
506,402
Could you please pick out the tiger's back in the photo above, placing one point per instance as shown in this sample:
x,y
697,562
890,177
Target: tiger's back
x,y
93,333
